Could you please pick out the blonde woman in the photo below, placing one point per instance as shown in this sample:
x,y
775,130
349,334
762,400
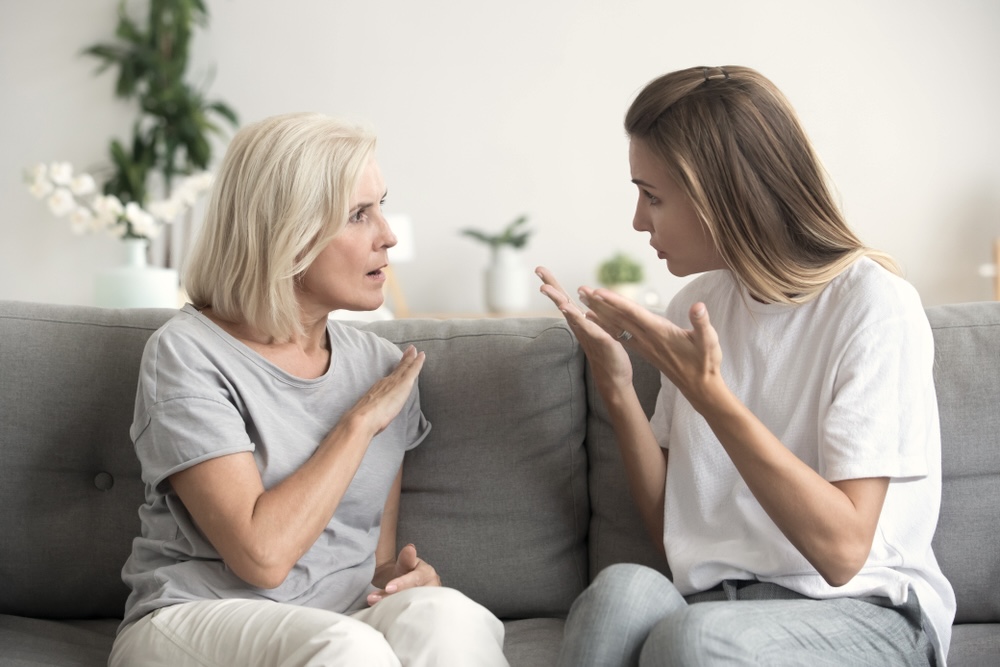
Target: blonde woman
x,y
791,469
271,438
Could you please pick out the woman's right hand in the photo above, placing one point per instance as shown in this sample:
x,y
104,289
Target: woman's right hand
x,y
608,358
380,405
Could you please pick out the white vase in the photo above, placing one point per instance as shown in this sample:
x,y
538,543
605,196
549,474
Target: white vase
x,y
630,291
135,284
506,281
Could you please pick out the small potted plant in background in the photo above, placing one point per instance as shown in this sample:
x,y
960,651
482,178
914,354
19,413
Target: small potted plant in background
x,y
506,279
622,274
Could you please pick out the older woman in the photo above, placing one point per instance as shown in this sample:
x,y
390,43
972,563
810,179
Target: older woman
x,y
272,438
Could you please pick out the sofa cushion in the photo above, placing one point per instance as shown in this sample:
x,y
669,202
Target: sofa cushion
x,y
967,378
496,497
617,534
69,483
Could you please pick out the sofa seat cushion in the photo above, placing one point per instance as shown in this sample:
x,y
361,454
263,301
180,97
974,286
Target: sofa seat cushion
x,y
28,642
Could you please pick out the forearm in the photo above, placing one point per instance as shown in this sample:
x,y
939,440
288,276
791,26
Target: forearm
x,y
818,518
645,462
261,533
288,518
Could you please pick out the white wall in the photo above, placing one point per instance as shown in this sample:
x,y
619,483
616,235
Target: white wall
x,y
486,111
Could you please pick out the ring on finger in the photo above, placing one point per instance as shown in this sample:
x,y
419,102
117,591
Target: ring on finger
x,y
624,336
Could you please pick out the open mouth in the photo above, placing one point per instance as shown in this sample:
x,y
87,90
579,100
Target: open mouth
x,y
377,273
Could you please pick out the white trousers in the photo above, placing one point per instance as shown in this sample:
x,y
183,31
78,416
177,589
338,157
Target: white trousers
x,y
426,626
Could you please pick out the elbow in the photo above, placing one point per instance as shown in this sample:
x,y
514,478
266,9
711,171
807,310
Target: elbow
x,y
264,578
844,564
265,571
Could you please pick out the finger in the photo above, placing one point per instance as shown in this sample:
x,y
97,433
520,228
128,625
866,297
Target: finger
x,y
407,560
703,329
552,289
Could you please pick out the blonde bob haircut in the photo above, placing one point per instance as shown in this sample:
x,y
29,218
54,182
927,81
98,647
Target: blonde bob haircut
x,y
733,143
282,193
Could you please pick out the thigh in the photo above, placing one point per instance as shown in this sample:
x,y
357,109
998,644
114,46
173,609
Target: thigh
x,y
786,632
437,626
609,622
249,632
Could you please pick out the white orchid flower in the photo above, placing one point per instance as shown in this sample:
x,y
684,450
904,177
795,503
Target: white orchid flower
x,y
61,173
81,220
166,210
83,184
61,202
41,188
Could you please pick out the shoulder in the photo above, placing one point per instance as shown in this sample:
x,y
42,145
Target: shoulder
x,y
866,293
187,334
363,345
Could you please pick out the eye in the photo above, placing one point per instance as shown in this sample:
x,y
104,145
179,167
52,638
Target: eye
x,y
651,197
358,215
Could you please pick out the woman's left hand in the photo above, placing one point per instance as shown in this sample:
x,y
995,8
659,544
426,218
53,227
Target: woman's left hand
x,y
690,358
408,571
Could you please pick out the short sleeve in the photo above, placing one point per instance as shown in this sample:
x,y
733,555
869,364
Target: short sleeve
x,y
884,406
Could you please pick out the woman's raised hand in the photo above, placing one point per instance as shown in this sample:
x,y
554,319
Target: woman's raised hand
x,y
380,405
607,357
690,358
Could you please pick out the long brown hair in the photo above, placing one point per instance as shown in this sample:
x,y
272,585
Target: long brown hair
x,y
732,141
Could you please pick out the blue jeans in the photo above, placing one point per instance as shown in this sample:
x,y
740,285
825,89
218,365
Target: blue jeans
x,y
632,615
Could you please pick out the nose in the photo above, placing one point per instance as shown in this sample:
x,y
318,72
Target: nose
x,y
640,221
386,238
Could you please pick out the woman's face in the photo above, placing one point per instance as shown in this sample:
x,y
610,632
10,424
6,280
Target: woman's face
x,y
349,273
666,212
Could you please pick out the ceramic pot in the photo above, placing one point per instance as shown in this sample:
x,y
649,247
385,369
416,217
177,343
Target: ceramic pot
x,y
506,281
136,284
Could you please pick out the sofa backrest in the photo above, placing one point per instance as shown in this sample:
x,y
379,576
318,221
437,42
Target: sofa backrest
x,y
967,379
69,478
496,496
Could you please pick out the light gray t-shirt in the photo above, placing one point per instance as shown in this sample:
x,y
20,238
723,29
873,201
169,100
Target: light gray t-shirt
x,y
203,394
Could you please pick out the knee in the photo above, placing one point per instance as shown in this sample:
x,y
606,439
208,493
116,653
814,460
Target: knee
x,y
700,634
442,607
623,583
349,642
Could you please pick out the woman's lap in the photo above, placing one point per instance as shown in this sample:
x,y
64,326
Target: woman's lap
x,y
255,632
758,624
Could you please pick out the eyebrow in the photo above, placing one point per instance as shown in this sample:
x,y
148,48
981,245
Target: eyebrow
x,y
639,181
363,205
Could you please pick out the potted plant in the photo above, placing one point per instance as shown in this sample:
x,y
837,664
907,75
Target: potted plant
x,y
506,281
622,274
171,136
166,159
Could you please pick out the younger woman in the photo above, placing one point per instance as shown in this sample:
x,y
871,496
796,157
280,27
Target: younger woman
x,y
791,470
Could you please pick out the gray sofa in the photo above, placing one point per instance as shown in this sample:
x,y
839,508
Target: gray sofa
x,y
517,497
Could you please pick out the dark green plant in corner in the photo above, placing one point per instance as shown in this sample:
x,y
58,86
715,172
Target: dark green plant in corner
x,y
511,235
172,134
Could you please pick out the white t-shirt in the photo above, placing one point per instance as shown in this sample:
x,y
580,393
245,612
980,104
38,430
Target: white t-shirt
x,y
203,394
845,382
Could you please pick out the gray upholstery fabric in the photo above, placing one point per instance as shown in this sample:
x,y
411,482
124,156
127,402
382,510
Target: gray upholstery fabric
x,y
967,378
517,486
69,483
617,534
496,496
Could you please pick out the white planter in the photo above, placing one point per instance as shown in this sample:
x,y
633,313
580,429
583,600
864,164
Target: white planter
x,y
507,282
630,291
135,284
